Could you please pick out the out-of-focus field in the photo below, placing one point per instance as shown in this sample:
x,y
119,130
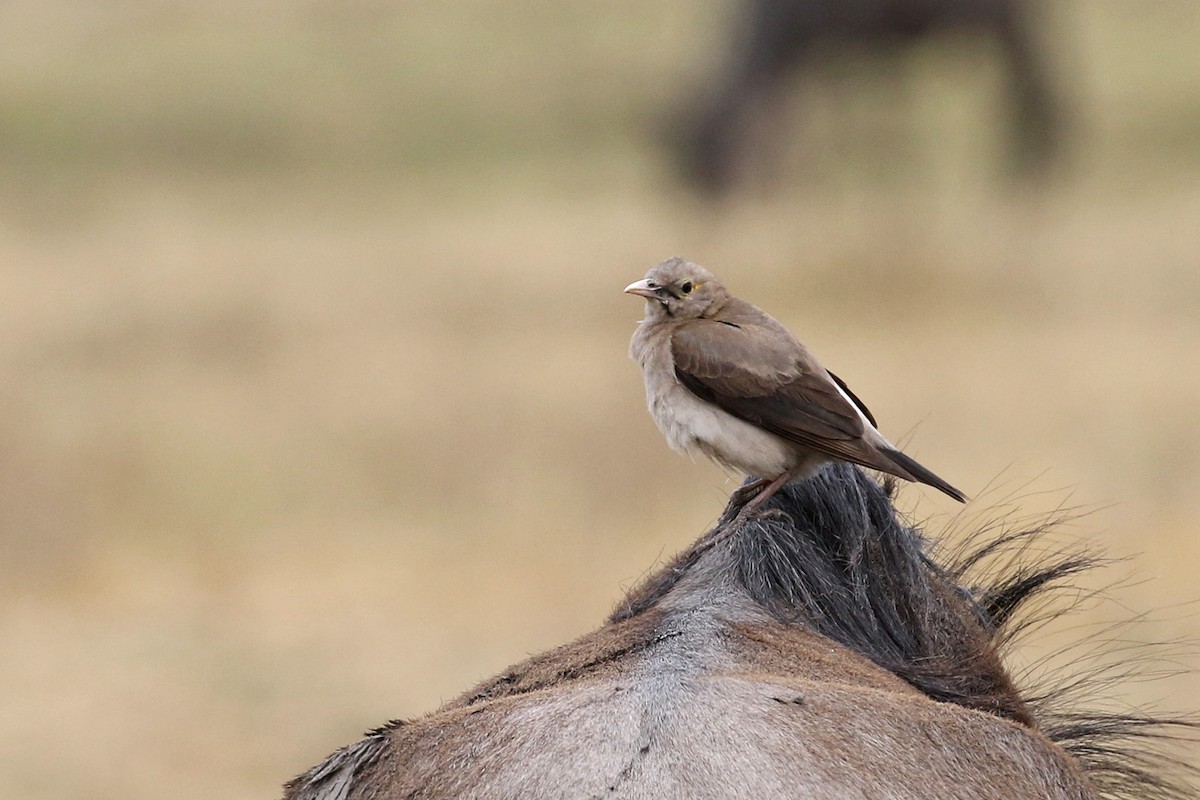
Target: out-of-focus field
x,y
314,399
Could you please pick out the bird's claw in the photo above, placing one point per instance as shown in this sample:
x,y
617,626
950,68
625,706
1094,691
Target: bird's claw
x,y
756,512
744,494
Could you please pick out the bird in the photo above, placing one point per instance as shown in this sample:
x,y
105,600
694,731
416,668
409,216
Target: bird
x,y
727,381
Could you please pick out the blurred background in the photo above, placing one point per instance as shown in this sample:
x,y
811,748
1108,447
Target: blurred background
x,y
315,405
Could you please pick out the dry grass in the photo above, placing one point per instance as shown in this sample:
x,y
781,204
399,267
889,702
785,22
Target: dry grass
x,y
316,407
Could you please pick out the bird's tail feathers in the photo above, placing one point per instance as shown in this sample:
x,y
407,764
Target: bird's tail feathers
x,y
910,469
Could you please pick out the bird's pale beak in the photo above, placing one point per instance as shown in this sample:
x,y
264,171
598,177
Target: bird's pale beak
x,y
642,288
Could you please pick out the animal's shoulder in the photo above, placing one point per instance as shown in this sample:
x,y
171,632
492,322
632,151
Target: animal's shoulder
x,y
651,708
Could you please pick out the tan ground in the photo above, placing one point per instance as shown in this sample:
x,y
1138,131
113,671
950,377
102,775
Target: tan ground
x,y
314,398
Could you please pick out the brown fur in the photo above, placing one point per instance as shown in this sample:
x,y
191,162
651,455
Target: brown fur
x,y
814,652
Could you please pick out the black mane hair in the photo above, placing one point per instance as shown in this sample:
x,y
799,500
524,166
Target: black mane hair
x,y
830,553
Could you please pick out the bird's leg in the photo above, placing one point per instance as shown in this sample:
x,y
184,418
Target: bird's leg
x,y
752,506
765,487
742,495
763,496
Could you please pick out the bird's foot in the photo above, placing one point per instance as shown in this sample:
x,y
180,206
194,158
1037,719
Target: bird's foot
x,y
730,525
744,494
754,494
749,501
751,512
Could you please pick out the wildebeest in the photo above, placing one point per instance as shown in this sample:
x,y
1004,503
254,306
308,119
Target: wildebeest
x,y
774,37
814,650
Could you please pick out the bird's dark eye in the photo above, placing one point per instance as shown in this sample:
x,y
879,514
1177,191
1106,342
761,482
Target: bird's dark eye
x,y
686,288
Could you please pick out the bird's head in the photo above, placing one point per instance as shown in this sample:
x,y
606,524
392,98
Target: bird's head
x,y
679,289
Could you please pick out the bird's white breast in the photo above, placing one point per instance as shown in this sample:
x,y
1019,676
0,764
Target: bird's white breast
x,y
697,427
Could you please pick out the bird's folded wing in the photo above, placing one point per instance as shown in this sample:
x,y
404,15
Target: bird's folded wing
x,y
762,375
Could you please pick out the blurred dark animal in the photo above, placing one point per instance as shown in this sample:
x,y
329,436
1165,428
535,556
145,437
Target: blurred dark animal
x,y
775,37
814,651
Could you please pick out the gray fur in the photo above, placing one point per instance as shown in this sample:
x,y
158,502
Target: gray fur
x,y
713,682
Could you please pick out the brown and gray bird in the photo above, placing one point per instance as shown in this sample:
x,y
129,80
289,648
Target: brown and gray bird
x,y
725,380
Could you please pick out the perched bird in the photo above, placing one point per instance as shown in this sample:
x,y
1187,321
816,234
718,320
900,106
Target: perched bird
x,y
725,380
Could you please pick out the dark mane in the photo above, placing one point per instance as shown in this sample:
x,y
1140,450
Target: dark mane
x,y
847,623
1021,580
833,555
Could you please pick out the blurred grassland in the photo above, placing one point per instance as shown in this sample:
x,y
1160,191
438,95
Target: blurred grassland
x,y
315,400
